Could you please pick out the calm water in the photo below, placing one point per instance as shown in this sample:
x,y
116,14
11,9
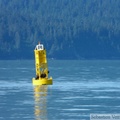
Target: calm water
x,y
80,88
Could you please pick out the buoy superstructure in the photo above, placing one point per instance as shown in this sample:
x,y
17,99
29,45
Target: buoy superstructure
x,y
41,67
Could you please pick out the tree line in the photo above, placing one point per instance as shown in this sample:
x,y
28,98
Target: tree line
x,y
69,29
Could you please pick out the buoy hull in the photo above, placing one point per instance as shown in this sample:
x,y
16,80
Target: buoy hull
x,y
42,81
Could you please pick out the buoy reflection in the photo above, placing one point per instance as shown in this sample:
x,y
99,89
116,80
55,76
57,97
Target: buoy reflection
x,y
40,94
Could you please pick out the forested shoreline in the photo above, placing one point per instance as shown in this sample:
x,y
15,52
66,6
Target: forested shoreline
x,y
69,29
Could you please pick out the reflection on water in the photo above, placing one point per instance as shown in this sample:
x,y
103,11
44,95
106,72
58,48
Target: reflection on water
x,y
40,96
93,87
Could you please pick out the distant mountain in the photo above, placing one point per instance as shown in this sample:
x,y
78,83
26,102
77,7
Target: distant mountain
x,y
69,29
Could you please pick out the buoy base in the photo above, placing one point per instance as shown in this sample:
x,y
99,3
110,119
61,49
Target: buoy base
x,y
42,81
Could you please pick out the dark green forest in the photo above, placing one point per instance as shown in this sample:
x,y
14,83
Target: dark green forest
x,y
69,29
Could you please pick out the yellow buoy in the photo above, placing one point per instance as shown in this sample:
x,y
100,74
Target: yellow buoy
x,y
41,67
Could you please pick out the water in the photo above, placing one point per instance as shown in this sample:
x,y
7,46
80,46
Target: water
x,y
80,88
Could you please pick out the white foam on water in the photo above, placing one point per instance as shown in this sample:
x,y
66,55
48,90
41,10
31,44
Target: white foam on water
x,y
76,109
